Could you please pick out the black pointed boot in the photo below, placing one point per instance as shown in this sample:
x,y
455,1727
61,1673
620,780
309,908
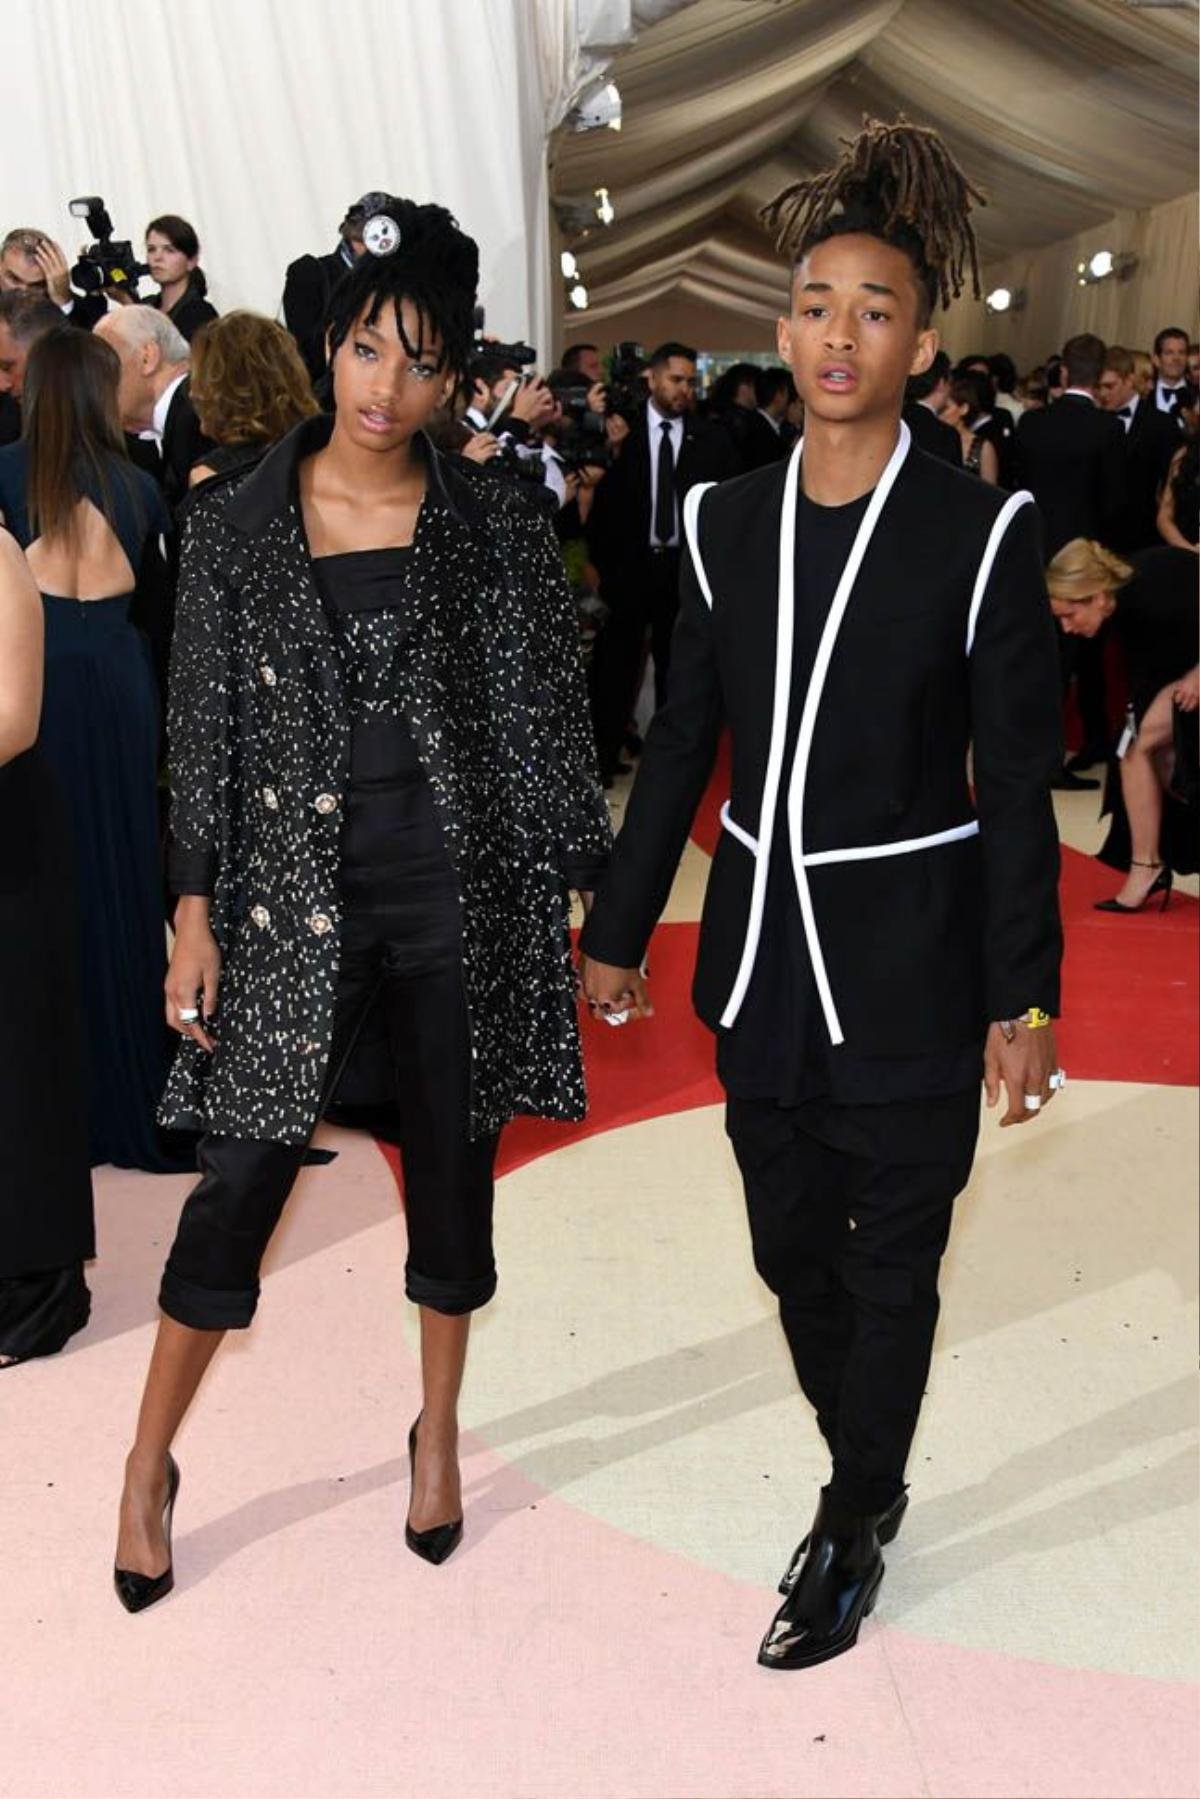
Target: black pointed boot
x,y
836,1588
887,1529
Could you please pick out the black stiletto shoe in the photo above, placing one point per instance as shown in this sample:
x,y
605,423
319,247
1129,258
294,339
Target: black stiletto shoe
x,y
887,1528
138,1591
440,1540
836,1588
1164,882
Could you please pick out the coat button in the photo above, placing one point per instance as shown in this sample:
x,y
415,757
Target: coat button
x,y
260,916
267,674
319,923
270,799
325,803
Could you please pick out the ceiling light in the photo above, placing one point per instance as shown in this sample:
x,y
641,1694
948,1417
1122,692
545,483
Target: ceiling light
x,y
1118,264
1101,265
606,212
999,300
570,267
598,108
578,297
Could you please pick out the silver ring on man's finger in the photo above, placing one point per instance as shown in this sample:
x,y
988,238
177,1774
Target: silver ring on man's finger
x,y
188,1014
1033,1102
1058,1080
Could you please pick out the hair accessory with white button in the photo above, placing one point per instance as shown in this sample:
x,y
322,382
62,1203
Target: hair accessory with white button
x,y
380,233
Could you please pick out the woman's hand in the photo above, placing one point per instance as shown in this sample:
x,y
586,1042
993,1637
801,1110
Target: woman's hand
x,y
194,976
1187,694
481,448
608,990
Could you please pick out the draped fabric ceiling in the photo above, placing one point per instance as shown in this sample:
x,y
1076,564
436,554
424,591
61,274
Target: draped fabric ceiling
x,y
1065,112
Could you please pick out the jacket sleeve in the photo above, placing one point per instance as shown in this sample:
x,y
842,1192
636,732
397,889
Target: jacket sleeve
x,y
1016,707
677,763
582,829
198,718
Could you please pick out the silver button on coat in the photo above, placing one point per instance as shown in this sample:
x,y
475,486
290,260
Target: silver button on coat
x,y
325,803
260,916
319,923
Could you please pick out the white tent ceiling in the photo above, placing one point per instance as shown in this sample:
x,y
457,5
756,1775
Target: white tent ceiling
x,y
1063,111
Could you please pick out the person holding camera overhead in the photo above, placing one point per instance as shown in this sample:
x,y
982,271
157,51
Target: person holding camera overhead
x,y
383,788
31,262
173,256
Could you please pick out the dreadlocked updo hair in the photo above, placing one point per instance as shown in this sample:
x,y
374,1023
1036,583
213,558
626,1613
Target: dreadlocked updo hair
x,y
436,267
896,182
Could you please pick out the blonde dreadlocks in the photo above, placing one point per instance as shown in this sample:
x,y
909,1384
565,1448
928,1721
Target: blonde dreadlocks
x,y
897,182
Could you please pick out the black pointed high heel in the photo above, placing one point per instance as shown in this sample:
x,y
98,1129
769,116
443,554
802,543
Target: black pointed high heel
x,y
1164,882
138,1591
440,1540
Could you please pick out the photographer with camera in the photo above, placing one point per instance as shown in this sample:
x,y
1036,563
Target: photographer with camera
x,y
32,263
310,281
173,257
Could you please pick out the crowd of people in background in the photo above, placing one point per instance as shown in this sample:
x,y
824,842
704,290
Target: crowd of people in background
x,y
116,410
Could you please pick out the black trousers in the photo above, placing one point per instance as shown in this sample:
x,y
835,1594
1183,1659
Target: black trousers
x,y
400,975
850,1211
644,598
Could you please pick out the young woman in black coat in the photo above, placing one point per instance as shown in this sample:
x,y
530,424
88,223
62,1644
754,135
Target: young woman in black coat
x,y
383,786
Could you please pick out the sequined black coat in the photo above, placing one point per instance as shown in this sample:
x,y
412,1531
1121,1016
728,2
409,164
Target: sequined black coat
x,y
260,742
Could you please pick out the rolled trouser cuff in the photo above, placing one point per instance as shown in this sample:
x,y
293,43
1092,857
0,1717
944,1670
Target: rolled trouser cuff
x,y
451,1297
207,1308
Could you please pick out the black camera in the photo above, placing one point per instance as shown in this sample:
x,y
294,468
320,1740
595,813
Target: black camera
x,y
626,387
110,261
580,439
514,356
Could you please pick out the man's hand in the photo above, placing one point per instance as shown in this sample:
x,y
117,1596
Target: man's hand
x,y
1187,694
1024,1066
53,265
534,403
597,399
608,989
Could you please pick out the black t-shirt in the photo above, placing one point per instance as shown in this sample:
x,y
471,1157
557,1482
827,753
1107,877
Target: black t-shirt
x,y
779,1047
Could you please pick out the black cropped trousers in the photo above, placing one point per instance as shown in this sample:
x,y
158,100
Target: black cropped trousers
x,y
401,970
850,1209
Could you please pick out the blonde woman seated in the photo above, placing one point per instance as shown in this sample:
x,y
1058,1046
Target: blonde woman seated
x,y
1151,790
249,387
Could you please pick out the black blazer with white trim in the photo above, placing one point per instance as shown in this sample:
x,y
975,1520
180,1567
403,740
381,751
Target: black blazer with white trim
x,y
926,914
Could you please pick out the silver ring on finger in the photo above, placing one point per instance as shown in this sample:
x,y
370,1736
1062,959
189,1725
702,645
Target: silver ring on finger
x,y
1058,1080
1033,1102
188,1014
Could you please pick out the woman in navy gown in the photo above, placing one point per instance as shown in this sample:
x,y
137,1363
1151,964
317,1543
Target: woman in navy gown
x,y
90,523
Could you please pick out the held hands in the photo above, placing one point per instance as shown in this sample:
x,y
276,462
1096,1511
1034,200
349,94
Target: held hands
x,y
611,991
1024,1066
194,977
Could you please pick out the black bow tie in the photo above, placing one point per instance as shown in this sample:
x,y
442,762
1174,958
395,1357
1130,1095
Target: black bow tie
x,y
1124,412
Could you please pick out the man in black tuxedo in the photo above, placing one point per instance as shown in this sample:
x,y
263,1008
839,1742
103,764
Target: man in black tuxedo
x,y
309,284
1151,440
767,438
874,937
1172,389
32,263
1072,458
634,535
924,397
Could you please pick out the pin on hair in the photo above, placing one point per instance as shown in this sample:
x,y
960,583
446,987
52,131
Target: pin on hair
x,y
895,181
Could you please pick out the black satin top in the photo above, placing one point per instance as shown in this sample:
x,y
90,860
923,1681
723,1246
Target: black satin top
x,y
363,594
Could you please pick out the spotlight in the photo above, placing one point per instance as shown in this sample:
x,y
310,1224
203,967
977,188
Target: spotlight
x,y
606,212
570,267
1118,264
1005,299
598,108
1101,265
578,297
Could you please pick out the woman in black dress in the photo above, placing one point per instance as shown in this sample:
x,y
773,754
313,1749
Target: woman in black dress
x,y
383,787
1151,787
46,1229
173,255
90,522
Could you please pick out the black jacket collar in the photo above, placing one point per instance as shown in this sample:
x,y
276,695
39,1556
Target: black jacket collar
x,y
271,490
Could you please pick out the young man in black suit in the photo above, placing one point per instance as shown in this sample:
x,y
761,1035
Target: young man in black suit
x,y
308,286
924,397
635,532
1173,391
874,938
1072,458
1151,440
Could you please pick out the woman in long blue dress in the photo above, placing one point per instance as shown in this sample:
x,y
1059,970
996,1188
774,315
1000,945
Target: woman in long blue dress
x,y
90,523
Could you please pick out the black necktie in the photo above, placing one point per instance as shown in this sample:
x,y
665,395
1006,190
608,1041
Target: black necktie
x,y
664,502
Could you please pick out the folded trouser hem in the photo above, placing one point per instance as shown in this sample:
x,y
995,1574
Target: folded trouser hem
x,y
207,1308
451,1297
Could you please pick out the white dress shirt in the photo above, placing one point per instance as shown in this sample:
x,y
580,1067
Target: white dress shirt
x,y
1163,390
158,423
655,420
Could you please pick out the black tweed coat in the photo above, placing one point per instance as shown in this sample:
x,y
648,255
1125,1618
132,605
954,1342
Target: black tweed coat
x,y
259,759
